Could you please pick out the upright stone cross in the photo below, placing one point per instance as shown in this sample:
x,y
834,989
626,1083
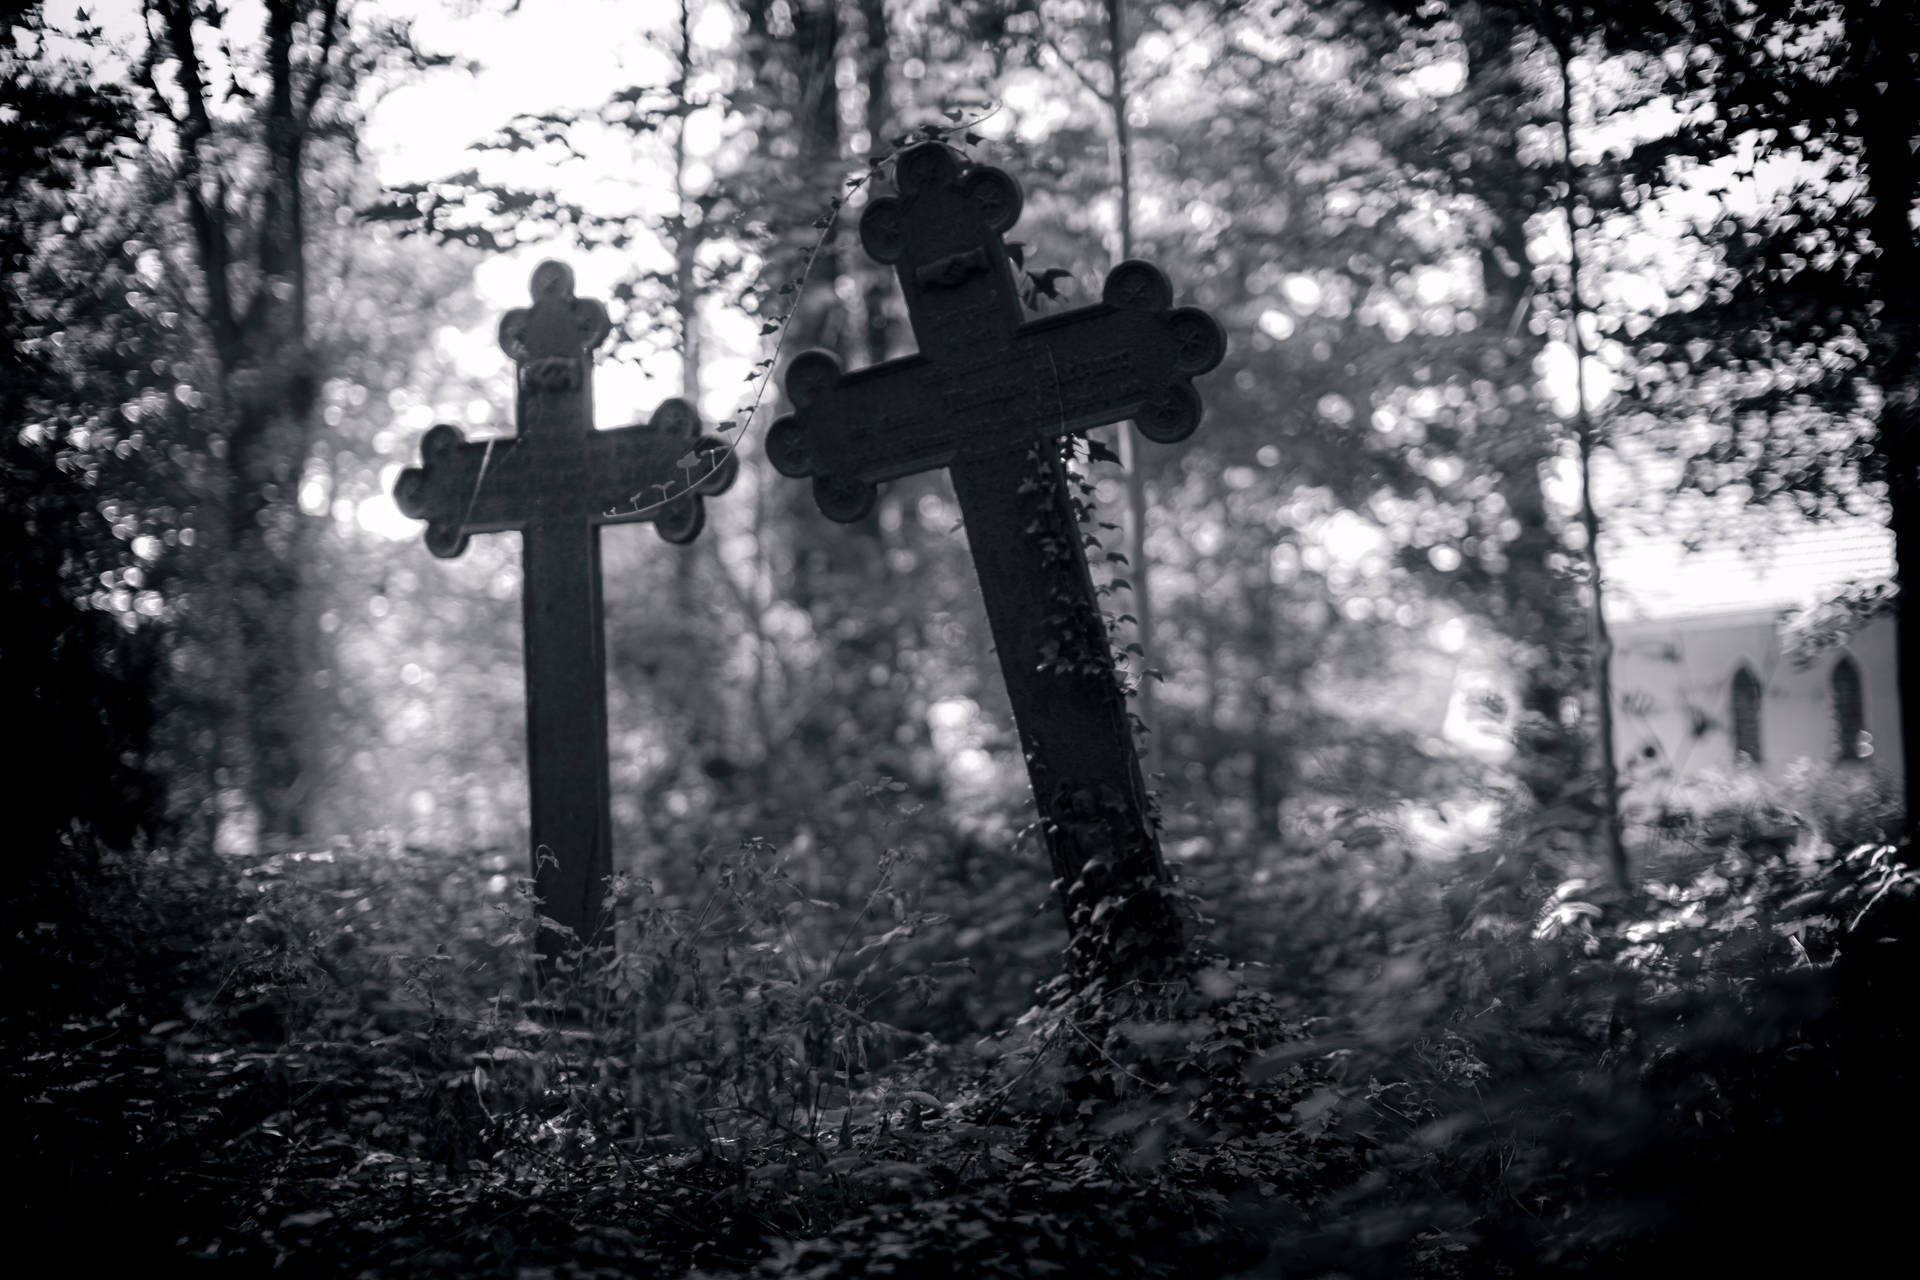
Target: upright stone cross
x,y
986,392
557,482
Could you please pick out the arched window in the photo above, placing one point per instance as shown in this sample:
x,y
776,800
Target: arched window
x,y
1746,715
1848,713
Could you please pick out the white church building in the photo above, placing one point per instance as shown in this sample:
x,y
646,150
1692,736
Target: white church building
x,y
1731,661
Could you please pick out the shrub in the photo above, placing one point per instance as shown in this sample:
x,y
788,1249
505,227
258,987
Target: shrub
x,y
1472,1068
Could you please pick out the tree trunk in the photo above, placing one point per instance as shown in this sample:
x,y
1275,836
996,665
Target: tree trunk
x,y
270,385
686,294
268,455
1599,642
1138,571
1532,605
1888,50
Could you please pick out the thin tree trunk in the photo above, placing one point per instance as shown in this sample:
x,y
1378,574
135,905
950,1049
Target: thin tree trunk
x,y
1130,460
1900,438
879,287
1262,757
686,296
686,307
1893,180
1600,642
1532,604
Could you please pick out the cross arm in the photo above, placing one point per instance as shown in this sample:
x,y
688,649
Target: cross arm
x,y
463,487
657,472
1131,356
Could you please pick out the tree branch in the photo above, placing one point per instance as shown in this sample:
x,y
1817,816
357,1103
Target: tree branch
x,y
1047,37
178,15
207,221
144,74
279,249
317,79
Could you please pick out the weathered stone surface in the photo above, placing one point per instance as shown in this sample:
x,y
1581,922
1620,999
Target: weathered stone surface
x,y
556,482
985,388
984,381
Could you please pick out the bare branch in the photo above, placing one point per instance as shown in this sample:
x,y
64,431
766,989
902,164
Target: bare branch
x,y
207,220
178,15
322,68
145,76
1070,64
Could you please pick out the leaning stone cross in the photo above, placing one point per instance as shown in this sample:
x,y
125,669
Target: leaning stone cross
x,y
557,482
985,389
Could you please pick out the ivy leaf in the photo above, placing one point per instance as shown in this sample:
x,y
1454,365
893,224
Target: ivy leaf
x,y
1047,281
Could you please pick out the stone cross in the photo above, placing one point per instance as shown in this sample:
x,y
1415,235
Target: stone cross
x,y
985,393
557,482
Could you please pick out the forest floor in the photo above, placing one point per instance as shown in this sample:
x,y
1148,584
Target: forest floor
x,y
280,1072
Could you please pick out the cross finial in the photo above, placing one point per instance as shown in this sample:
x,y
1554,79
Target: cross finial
x,y
552,340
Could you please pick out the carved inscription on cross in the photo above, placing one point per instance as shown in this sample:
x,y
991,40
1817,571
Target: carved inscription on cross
x,y
557,482
984,389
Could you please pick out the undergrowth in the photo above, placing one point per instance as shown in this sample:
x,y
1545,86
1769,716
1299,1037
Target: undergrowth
x,y
331,1063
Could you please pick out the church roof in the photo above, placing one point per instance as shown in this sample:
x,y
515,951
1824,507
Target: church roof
x,y
1655,577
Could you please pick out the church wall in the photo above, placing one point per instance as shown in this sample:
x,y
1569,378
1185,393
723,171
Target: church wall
x,y
1673,674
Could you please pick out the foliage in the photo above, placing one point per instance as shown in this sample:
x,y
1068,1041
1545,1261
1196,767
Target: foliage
x,y
1566,1081
1833,621
1844,805
328,1061
78,686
